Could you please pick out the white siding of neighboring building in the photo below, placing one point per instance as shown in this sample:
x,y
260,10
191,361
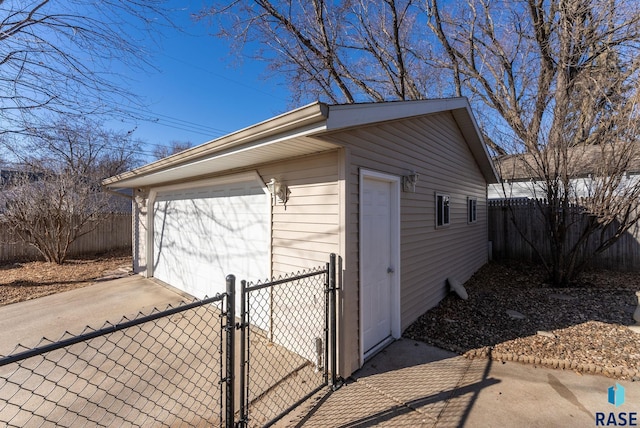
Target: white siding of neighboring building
x,y
583,187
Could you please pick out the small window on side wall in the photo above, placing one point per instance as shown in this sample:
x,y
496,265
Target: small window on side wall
x,y
442,210
472,210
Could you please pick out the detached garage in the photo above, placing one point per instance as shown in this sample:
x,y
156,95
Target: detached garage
x,y
397,190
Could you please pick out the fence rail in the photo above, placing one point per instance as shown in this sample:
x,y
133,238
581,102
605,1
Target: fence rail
x,y
113,233
508,243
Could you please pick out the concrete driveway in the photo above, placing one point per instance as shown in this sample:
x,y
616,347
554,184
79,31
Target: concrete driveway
x,y
26,323
411,384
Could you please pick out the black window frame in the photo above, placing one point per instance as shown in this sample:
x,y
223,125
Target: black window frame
x,y
472,210
443,210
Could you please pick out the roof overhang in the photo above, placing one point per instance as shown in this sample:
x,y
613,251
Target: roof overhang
x,y
297,133
281,137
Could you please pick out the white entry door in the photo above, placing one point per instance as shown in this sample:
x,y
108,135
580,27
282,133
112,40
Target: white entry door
x,y
379,259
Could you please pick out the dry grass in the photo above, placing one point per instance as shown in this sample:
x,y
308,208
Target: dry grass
x,y
30,280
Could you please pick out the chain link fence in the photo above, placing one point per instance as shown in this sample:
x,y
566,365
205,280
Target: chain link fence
x,y
164,369
182,366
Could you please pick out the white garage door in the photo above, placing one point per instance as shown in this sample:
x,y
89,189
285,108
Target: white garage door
x,y
203,234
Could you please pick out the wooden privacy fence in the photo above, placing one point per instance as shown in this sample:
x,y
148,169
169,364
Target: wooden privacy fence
x,y
508,244
113,233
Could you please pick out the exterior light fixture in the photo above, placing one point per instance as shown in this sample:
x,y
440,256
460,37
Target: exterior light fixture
x,y
141,198
409,182
279,192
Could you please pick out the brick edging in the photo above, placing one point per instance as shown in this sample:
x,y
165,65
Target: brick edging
x,y
614,372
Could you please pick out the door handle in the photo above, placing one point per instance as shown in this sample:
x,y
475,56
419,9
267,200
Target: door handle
x,y
390,270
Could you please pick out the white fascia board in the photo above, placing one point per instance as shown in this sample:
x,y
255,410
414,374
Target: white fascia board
x,y
469,127
311,115
220,161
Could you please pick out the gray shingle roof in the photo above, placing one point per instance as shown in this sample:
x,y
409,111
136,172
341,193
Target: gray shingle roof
x,y
581,161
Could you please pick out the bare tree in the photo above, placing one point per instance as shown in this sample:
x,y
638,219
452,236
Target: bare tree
x,y
558,80
83,146
342,51
544,76
61,57
57,197
160,152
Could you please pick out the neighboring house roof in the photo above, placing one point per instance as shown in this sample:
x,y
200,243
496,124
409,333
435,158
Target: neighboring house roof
x,y
296,133
582,161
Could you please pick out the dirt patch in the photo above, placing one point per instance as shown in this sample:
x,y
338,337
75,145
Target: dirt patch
x,y
512,314
30,280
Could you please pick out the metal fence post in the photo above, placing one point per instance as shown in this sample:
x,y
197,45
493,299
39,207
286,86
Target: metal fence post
x,y
327,334
231,328
332,316
243,360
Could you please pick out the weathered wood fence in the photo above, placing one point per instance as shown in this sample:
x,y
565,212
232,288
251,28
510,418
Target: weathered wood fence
x,y
113,233
508,244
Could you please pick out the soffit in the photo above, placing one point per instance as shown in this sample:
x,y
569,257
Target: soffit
x,y
236,158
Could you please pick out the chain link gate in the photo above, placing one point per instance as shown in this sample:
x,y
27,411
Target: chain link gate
x,y
179,367
288,330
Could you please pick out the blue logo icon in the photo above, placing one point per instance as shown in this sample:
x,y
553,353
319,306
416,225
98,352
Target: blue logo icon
x,y
616,395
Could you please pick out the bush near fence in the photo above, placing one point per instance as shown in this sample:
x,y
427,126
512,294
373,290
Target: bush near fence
x,y
111,234
508,243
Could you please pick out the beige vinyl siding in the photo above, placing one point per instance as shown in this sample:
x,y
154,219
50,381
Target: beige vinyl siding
x,y
433,147
306,230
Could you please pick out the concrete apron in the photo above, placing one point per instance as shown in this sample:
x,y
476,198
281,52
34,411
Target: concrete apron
x,y
412,384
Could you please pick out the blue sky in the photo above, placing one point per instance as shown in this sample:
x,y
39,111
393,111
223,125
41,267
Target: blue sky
x,y
197,93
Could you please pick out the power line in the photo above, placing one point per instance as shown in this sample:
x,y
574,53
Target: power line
x,y
222,76
173,122
185,125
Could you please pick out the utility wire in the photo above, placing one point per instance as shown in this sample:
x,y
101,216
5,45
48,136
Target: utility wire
x,y
173,122
185,125
222,76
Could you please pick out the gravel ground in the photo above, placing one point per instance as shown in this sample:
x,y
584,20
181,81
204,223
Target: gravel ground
x,y
582,328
